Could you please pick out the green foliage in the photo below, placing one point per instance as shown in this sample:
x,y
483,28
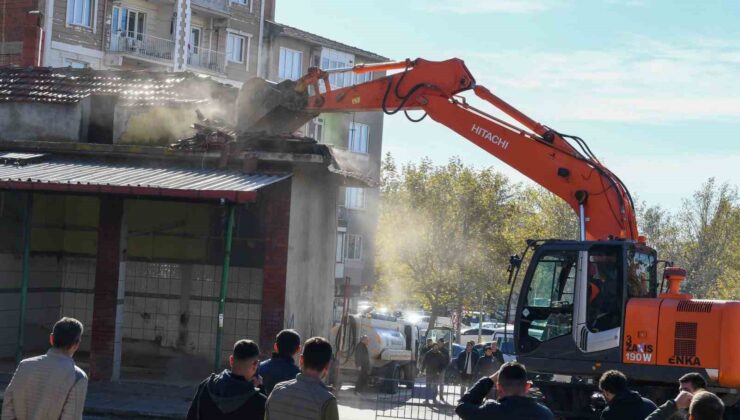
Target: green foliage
x,y
703,237
445,235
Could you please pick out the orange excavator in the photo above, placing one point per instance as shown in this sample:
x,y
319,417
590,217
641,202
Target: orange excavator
x,y
583,306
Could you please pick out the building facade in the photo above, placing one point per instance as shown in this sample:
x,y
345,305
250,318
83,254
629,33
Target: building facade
x,y
219,39
167,250
291,52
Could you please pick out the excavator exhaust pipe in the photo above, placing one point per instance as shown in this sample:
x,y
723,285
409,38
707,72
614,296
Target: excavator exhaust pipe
x,y
272,109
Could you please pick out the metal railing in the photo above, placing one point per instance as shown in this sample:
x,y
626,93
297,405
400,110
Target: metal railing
x,y
422,401
152,47
142,45
217,5
207,59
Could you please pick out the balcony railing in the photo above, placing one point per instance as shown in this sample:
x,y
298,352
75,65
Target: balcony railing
x,y
148,46
217,5
207,60
142,45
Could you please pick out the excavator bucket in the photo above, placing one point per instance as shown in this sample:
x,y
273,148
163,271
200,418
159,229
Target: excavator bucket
x,y
271,108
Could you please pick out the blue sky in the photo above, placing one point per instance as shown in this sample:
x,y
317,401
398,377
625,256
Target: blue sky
x,y
652,86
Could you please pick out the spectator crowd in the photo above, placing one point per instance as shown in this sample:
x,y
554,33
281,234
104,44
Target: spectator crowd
x,y
51,386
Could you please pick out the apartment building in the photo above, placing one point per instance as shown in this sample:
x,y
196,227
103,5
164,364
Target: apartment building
x,y
219,39
291,52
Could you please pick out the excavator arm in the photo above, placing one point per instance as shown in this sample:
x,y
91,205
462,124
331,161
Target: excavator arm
x,y
600,199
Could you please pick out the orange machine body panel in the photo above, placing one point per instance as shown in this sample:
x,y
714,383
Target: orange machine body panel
x,y
699,334
641,331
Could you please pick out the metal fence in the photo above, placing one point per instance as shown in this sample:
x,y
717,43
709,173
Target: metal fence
x,y
418,402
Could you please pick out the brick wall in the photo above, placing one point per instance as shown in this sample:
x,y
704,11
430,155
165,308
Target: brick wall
x,y
21,33
276,207
106,288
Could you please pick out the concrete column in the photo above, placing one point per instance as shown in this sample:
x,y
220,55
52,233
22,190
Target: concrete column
x,y
276,217
105,347
182,34
120,295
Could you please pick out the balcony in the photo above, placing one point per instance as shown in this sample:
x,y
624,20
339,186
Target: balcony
x,y
217,6
210,60
142,45
160,50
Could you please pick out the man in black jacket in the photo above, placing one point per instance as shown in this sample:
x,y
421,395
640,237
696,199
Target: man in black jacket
x,y
466,362
513,403
281,367
362,361
622,404
435,363
489,363
231,394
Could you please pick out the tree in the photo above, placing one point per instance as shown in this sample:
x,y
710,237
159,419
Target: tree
x,y
703,237
445,235
710,238
442,234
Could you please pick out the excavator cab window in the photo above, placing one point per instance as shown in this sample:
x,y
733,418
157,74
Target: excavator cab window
x,y
641,273
548,306
604,288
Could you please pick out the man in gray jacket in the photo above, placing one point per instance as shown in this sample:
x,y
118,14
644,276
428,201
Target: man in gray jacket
x,y
49,386
305,397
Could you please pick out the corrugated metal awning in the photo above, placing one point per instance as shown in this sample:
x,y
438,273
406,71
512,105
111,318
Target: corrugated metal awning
x,y
97,177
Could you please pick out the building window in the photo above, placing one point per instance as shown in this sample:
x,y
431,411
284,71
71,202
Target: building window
x,y
194,39
340,247
354,198
79,12
290,65
127,23
333,59
358,136
315,129
354,247
235,48
247,3
361,78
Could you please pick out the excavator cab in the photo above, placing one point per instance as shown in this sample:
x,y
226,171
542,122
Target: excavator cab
x,y
573,297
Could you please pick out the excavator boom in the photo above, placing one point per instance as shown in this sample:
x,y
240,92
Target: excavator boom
x,y
601,201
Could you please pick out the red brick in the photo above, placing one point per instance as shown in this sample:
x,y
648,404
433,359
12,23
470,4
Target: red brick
x,y
106,289
276,211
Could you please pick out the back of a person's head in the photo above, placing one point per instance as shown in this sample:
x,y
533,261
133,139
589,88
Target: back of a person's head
x,y
706,406
287,342
613,382
316,353
513,377
695,379
245,351
66,333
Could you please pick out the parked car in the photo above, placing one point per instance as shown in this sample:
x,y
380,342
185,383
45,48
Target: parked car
x,y
471,334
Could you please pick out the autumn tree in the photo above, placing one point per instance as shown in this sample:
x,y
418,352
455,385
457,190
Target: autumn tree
x,y
443,230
